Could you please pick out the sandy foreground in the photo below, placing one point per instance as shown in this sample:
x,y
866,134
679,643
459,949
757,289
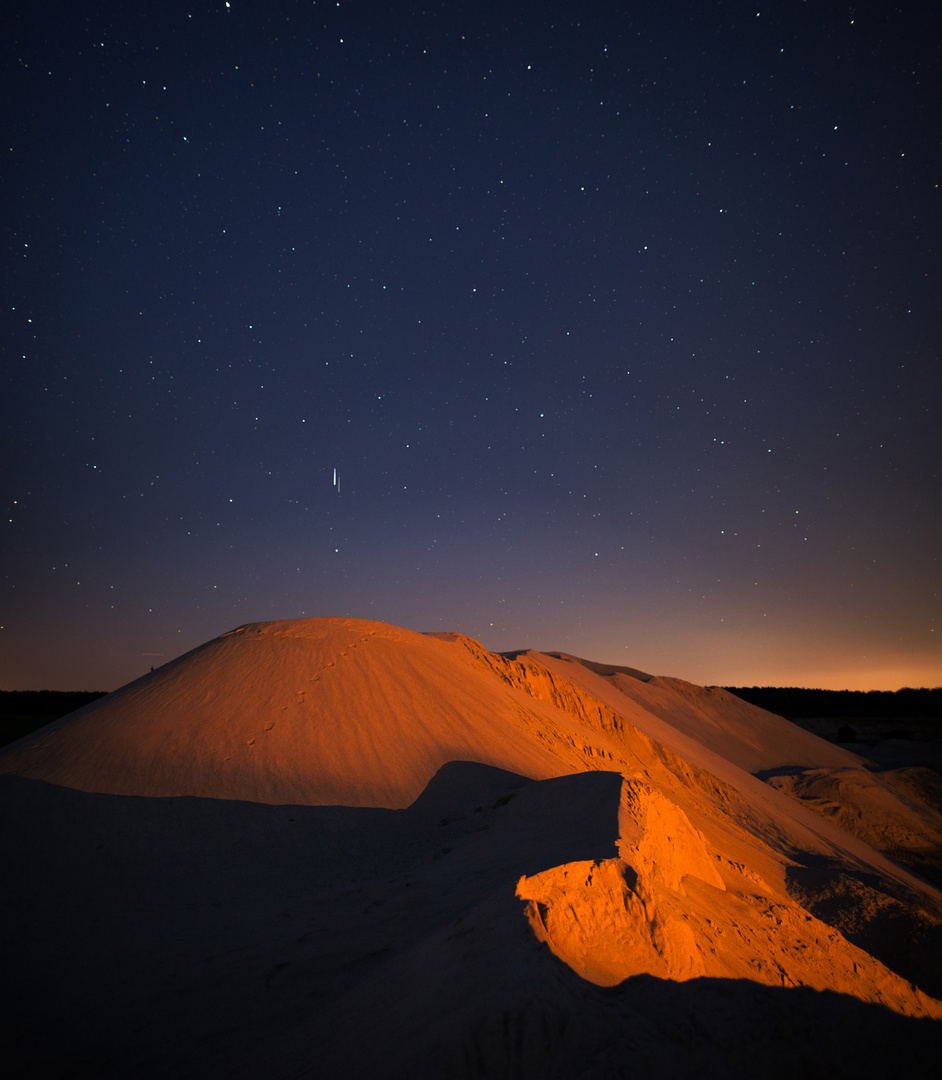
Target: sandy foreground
x,y
336,848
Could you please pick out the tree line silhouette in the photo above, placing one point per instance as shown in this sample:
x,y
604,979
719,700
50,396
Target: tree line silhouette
x,y
46,702
796,702
23,711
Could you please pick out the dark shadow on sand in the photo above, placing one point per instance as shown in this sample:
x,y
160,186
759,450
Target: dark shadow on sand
x,y
204,938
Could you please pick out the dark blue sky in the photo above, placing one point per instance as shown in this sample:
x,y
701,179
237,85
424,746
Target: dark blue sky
x,y
620,324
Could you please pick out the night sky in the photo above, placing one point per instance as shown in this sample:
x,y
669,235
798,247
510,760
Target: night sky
x,y
619,323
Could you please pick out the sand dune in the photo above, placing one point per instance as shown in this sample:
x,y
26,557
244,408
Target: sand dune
x,y
332,847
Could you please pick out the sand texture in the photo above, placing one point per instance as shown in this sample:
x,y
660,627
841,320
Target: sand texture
x,y
336,848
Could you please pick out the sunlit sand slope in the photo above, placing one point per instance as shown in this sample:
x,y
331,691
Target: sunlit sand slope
x,y
313,711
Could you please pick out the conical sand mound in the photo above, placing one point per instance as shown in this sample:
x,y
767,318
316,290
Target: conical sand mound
x,y
313,711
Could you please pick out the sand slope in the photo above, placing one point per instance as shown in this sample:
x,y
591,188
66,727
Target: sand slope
x,y
332,847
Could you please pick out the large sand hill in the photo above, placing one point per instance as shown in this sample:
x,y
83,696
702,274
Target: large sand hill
x,y
333,847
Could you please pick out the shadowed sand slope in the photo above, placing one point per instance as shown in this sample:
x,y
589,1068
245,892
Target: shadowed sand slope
x,y
335,848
